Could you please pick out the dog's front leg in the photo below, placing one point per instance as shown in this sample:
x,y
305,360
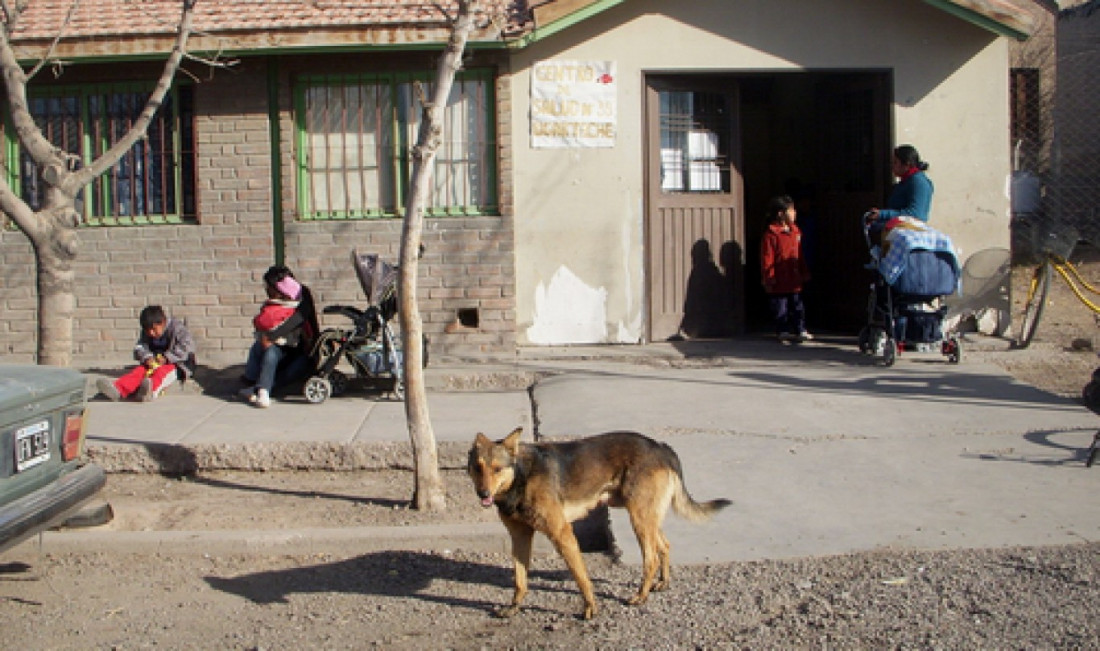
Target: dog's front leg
x,y
522,543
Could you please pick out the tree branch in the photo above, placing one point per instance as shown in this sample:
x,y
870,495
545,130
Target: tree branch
x,y
74,181
15,208
15,83
56,39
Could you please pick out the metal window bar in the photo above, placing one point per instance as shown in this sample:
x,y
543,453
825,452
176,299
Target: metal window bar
x,y
360,151
311,100
695,142
186,146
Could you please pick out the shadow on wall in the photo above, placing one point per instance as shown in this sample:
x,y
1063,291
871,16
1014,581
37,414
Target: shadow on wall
x,y
709,296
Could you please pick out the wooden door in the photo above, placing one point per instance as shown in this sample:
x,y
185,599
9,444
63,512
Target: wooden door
x,y
694,208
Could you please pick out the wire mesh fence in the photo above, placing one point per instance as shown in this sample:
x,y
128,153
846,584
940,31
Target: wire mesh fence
x,y
1056,138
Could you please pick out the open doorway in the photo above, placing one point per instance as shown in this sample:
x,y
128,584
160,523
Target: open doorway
x,y
821,137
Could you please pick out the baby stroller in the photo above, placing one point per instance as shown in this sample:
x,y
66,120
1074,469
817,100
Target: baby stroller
x,y
369,347
915,269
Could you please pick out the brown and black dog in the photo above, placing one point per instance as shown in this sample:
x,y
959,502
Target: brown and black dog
x,y
546,486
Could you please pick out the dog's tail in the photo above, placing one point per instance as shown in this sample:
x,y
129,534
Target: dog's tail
x,y
687,508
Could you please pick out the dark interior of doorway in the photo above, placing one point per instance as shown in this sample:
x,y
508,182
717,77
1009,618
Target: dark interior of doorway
x,y
821,137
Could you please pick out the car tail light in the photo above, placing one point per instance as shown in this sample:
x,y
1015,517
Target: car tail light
x,y
73,440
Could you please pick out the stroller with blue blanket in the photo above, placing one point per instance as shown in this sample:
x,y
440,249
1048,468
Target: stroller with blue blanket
x,y
915,268
369,347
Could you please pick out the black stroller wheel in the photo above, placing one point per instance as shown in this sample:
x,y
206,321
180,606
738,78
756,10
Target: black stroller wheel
x,y
317,390
865,340
889,352
339,382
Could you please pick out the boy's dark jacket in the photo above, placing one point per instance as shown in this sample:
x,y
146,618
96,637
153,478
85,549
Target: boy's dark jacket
x,y
179,348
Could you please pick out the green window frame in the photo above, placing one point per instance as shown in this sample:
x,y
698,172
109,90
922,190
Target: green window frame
x,y
354,139
153,183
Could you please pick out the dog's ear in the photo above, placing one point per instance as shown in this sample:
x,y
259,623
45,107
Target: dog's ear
x,y
511,442
481,440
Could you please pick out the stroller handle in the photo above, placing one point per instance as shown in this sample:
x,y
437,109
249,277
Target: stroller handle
x,y
347,310
361,318
866,222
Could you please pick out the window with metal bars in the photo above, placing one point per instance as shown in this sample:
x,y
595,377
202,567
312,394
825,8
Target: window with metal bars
x,y
355,137
154,182
1025,117
695,142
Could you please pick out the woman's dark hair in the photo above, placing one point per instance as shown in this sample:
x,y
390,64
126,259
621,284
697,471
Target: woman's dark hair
x,y
276,273
306,306
777,205
910,157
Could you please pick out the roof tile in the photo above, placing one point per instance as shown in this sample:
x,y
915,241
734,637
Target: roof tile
x,y
104,18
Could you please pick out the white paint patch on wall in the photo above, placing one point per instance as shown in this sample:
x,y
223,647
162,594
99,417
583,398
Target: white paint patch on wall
x,y
567,311
630,333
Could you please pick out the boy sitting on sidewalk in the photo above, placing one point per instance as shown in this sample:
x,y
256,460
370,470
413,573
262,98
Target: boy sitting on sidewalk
x,y
166,352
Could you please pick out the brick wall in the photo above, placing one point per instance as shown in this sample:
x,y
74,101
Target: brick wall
x,y
18,299
466,268
209,273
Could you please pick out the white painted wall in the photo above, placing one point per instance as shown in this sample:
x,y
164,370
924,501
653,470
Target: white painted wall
x,y
579,212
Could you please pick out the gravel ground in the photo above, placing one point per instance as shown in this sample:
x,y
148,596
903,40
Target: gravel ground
x,y
1012,598
1044,597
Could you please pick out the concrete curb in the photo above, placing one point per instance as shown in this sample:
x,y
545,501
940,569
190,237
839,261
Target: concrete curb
x,y
174,459
439,538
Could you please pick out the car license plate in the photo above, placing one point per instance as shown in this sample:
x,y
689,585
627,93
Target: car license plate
x,y
32,445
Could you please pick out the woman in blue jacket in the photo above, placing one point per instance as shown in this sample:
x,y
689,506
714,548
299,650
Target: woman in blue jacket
x,y
912,196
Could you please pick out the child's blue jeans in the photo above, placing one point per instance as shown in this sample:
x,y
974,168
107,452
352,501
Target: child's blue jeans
x,y
789,313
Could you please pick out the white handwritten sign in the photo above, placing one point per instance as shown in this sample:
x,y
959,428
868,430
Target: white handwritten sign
x,y
573,104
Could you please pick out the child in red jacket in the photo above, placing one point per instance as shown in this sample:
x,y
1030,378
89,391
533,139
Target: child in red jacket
x,y
783,270
165,352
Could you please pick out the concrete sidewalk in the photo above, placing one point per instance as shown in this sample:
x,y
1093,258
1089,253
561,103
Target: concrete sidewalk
x,y
191,419
821,450
826,458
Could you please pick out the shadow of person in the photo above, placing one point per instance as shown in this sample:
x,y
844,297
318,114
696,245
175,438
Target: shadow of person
x,y
706,303
732,261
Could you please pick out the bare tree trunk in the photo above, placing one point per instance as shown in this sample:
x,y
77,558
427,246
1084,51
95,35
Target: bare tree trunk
x,y
56,296
429,492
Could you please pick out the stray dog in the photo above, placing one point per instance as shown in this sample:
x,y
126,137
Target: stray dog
x,y
546,486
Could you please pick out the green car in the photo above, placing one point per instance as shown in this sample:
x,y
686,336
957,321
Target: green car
x,y
43,478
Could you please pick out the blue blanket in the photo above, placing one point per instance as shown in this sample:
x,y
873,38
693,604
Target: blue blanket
x,y
917,259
